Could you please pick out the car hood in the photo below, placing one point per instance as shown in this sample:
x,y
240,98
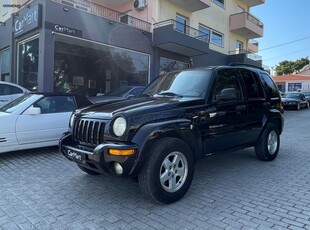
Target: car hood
x,y
138,107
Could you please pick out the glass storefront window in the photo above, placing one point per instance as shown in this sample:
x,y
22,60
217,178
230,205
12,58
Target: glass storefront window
x,y
91,68
28,59
167,65
5,65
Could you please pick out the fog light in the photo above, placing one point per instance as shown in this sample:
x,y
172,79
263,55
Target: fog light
x,y
118,168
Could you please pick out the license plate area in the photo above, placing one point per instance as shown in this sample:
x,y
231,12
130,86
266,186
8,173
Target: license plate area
x,y
76,156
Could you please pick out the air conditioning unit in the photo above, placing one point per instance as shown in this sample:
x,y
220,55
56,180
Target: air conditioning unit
x,y
139,4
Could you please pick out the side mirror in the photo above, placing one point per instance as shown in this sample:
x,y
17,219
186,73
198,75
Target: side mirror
x,y
32,111
131,96
228,94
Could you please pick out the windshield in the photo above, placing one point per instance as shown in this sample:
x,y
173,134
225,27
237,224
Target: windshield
x,y
191,83
307,93
119,91
17,103
292,95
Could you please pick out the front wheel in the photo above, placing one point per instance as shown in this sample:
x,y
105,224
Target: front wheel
x,y
298,106
168,172
267,147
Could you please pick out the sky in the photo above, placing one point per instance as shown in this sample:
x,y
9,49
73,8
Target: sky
x,y
285,21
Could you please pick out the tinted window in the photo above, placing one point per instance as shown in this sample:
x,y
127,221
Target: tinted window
x,y
253,89
226,80
269,85
9,89
55,104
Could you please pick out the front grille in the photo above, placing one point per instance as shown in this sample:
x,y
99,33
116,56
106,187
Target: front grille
x,y
88,131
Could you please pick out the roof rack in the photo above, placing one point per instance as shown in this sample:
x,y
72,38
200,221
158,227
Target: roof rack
x,y
243,64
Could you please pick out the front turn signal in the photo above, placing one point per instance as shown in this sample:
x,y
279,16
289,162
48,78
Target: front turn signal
x,y
121,152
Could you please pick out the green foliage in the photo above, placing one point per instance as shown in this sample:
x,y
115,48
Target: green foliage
x,y
289,67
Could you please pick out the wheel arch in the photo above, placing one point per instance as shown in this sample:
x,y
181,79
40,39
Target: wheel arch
x,y
149,134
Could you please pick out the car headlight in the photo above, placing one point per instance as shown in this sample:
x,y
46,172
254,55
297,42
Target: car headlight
x,y
119,126
71,121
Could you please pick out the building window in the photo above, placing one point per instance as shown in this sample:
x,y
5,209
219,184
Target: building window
x,y
28,62
5,65
294,86
204,33
220,3
181,23
208,34
103,69
216,38
168,65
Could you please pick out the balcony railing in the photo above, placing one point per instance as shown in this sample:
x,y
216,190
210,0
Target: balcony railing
x,y
248,54
182,28
108,13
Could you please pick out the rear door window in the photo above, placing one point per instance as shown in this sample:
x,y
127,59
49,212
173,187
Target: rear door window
x,y
253,88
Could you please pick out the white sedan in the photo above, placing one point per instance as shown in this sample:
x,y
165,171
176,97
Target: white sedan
x,y
37,120
10,91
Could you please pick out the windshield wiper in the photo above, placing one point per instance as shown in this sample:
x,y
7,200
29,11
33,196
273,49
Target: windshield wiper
x,y
168,94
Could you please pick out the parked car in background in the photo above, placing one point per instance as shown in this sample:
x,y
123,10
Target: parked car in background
x,y
10,91
295,100
119,94
37,120
307,95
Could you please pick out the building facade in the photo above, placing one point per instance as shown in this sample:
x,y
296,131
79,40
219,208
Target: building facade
x,y
96,46
292,82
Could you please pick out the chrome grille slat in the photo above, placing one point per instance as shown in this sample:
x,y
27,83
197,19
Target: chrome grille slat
x,y
88,131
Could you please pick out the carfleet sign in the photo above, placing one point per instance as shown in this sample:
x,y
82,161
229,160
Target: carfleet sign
x,y
27,20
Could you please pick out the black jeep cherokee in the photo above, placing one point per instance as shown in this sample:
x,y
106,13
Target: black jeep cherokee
x,y
179,119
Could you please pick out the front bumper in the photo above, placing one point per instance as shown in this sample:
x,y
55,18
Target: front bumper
x,y
98,159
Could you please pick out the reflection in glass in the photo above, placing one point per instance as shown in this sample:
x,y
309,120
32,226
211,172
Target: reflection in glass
x,y
168,65
92,69
28,59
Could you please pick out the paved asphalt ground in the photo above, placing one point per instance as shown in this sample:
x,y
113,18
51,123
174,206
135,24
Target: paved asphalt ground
x,y
40,189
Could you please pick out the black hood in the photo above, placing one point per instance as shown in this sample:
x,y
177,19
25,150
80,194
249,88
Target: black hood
x,y
138,106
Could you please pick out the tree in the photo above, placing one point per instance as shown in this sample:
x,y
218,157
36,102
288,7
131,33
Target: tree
x,y
289,67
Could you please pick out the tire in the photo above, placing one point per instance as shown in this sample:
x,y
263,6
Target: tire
x,y
268,145
88,171
298,106
168,171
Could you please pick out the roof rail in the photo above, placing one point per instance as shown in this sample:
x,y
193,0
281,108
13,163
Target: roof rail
x,y
243,64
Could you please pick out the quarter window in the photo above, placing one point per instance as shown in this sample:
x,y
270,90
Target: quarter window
x,y
269,85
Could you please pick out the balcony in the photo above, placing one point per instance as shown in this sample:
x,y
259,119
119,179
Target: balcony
x,y
188,41
253,46
245,56
246,25
251,3
108,13
192,5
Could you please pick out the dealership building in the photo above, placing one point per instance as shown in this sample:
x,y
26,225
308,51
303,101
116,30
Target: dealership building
x,y
96,46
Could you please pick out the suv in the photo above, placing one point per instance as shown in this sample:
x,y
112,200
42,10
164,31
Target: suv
x,y
179,119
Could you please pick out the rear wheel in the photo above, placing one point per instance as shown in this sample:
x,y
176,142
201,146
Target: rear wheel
x,y
268,145
168,172
88,171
